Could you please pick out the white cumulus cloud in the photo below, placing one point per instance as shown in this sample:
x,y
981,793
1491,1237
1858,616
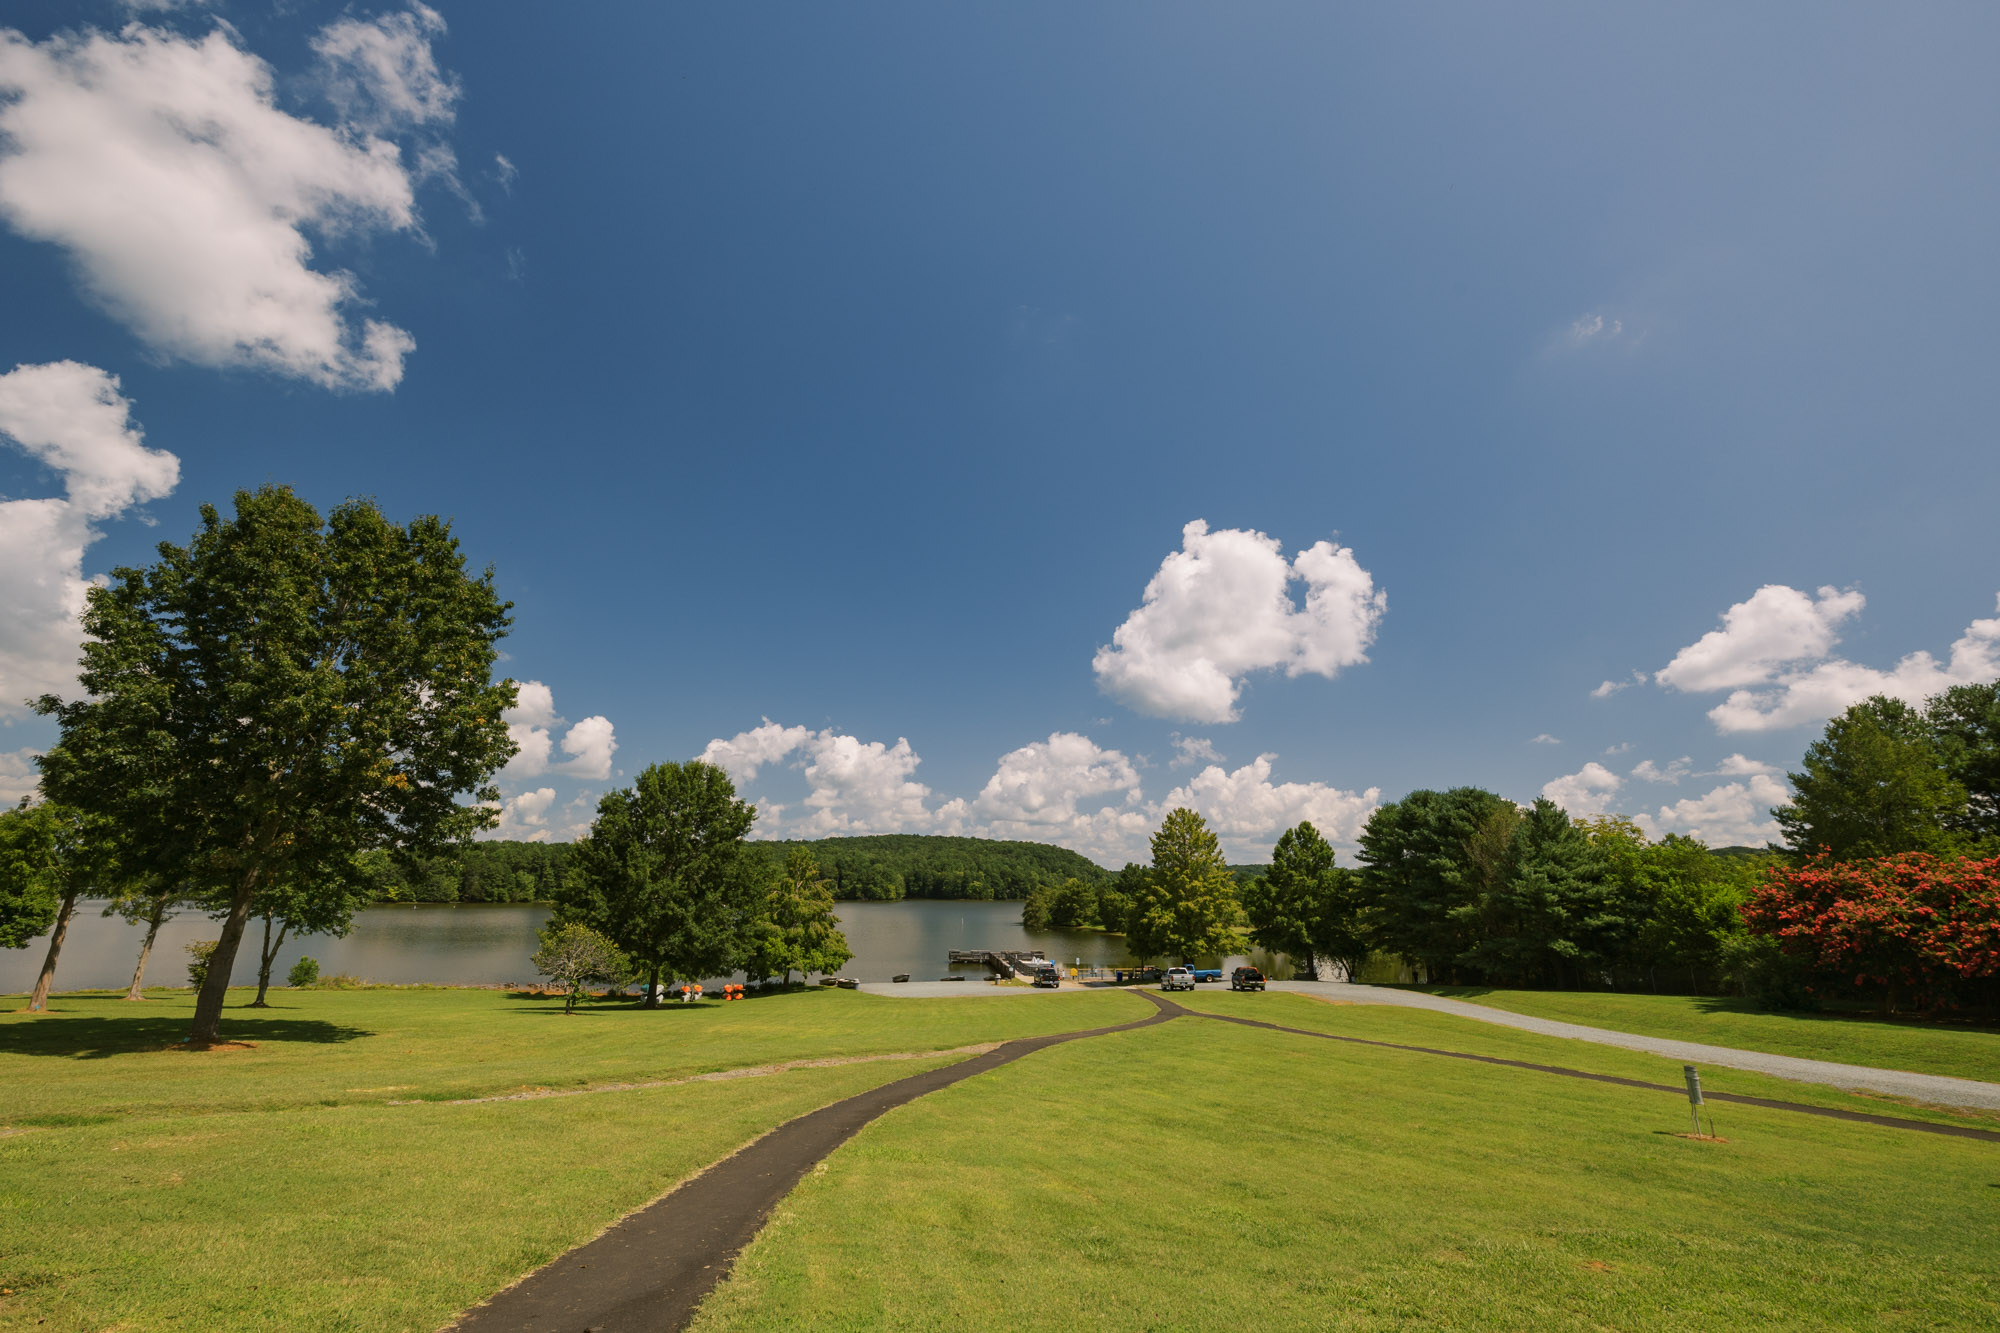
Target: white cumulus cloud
x,y
72,418
1248,811
1221,607
1776,627
1775,656
1066,790
18,775
531,725
1740,766
1611,687
744,754
1191,750
1675,770
1588,791
1736,814
187,197
862,787
856,786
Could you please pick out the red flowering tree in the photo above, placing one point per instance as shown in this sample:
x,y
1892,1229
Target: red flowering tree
x,y
1914,926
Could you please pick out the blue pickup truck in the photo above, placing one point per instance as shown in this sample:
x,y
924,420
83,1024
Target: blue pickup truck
x,y
1206,973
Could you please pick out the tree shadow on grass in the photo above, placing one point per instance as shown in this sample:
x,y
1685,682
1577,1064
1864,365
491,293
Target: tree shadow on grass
x,y
102,1038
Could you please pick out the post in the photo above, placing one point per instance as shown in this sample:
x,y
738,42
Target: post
x,y
1693,1077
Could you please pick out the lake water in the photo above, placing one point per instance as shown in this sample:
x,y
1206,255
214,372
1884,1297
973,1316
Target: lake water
x,y
468,944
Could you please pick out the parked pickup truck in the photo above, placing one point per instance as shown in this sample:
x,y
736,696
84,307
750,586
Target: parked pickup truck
x,y
1246,978
1048,975
1177,978
1206,973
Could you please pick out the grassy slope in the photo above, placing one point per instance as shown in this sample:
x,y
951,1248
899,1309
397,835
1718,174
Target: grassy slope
x,y
1198,1175
1419,1027
275,1188
1922,1048
101,1055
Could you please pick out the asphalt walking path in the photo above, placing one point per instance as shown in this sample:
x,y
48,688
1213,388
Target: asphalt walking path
x,y
1938,1089
647,1273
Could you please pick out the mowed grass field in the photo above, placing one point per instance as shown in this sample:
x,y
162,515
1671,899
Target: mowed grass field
x,y
277,1187
1202,1175
1955,1049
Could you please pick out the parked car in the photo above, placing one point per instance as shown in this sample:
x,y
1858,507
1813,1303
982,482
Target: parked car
x,y
1206,973
1047,975
1177,978
1246,978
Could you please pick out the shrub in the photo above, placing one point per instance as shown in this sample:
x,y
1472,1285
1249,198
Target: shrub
x,y
1911,926
198,955
339,981
574,955
305,972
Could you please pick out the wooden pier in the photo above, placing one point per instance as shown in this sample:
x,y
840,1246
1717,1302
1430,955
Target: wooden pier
x,y
1005,963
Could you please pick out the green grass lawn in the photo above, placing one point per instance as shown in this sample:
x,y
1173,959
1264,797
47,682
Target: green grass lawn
x,y
103,1056
1200,1175
1960,1050
276,1188
1446,1032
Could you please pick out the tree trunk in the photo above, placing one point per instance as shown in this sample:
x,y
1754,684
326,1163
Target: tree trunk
x,y
653,988
207,1029
569,1002
265,958
145,950
40,999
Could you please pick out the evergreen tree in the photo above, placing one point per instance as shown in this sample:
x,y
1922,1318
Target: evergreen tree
x,y
1187,908
1427,858
1305,906
798,930
1552,917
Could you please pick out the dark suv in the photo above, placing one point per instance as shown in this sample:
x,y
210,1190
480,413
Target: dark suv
x,y
1246,978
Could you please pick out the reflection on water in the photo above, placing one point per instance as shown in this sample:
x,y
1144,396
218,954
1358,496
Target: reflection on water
x,y
469,944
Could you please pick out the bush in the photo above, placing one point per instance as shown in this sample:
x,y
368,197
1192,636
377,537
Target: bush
x,y
339,981
1910,927
198,955
305,972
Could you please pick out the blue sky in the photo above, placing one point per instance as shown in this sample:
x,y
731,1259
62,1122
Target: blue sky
x,y
856,368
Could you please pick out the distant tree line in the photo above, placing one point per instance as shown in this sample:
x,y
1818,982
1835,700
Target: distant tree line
x,y
478,872
1887,888
894,866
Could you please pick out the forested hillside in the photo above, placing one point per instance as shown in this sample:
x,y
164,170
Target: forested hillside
x,y
887,867
484,872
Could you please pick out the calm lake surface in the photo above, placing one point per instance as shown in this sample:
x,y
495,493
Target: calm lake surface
x,y
469,944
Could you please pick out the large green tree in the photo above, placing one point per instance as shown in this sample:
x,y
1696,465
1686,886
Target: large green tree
x,y
1426,860
1554,916
663,873
280,694
1964,723
1305,906
797,930
1874,784
31,886
1186,906
53,853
